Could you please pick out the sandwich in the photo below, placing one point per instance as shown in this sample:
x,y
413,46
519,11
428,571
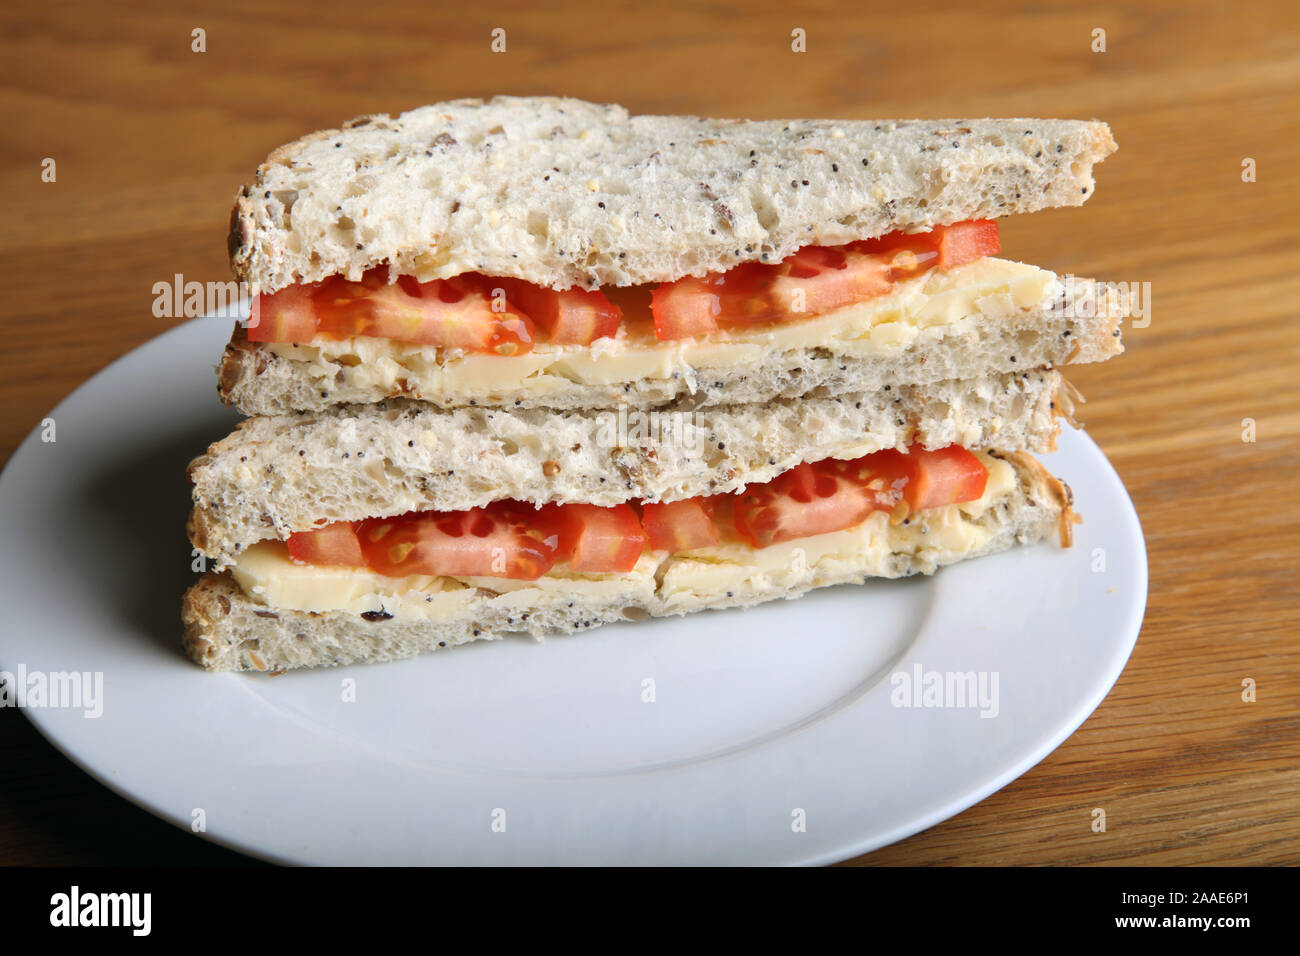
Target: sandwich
x,y
532,365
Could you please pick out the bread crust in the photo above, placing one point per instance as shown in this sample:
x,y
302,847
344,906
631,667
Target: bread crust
x,y
563,192
1042,485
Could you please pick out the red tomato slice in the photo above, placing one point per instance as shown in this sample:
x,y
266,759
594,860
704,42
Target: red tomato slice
x,y
739,296
818,279
598,539
334,545
815,280
511,540
285,316
571,317
878,474
964,242
502,540
679,525
833,495
801,502
448,313
684,309
944,476
943,247
929,479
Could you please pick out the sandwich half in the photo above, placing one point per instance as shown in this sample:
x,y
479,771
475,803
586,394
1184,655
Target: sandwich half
x,y
532,365
553,253
388,588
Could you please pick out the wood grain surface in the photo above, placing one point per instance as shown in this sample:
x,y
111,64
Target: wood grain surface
x,y
151,141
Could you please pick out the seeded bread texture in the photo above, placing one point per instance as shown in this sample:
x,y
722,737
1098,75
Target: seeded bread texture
x,y
226,630
273,476
1062,329
562,192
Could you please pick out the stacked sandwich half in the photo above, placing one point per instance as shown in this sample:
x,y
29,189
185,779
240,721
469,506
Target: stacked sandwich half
x,y
533,365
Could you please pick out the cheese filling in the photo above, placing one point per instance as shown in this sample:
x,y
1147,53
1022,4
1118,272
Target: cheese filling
x,y
989,288
660,581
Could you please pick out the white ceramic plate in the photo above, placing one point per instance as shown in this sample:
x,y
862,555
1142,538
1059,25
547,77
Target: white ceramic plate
x,y
771,739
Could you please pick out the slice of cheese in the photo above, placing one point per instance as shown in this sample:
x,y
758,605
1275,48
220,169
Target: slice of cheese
x,y
659,580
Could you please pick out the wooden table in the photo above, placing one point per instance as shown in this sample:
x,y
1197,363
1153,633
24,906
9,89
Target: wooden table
x,y
151,140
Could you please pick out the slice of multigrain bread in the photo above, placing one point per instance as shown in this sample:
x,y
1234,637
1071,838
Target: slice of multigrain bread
x,y
277,475
563,192
226,629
